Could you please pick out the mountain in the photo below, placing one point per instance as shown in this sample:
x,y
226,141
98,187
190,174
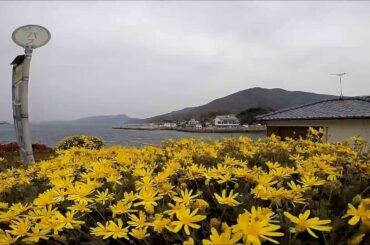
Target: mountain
x,y
248,116
111,120
275,98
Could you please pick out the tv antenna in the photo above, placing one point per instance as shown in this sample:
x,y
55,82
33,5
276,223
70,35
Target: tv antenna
x,y
340,81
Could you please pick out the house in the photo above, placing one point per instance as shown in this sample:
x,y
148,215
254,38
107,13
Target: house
x,y
199,126
226,121
340,119
192,123
170,125
182,124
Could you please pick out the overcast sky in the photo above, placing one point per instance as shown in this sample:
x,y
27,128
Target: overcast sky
x,y
148,58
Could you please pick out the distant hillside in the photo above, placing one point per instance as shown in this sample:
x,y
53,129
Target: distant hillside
x,y
111,120
249,116
250,98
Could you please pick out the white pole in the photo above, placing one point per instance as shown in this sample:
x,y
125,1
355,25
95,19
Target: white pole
x,y
16,112
29,37
23,94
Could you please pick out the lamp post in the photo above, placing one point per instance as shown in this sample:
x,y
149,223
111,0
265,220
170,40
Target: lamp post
x,y
28,37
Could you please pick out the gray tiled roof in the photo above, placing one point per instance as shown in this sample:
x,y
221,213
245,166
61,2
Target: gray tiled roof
x,y
339,108
227,117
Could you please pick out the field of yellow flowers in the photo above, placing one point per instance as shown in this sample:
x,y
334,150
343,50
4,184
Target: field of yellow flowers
x,y
192,191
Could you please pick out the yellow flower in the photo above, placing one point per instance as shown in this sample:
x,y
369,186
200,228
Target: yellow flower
x,y
59,194
309,181
54,224
42,213
80,191
227,200
224,178
148,197
62,182
82,208
117,230
296,188
121,208
255,225
18,208
166,189
186,197
6,238
68,220
356,199
20,227
356,239
159,223
145,183
7,216
190,241
362,212
264,180
201,204
46,198
187,219
139,233
174,208
272,165
149,208
114,178
225,238
129,197
277,195
101,230
303,223
138,221
36,234
262,214
102,197
215,222
3,205
183,185
165,183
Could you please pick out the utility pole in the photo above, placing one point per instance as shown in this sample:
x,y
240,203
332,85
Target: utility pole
x,y
28,37
340,81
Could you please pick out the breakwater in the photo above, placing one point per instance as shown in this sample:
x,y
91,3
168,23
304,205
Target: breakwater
x,y
257,128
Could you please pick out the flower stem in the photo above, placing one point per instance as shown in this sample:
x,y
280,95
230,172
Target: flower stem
x,y
223,213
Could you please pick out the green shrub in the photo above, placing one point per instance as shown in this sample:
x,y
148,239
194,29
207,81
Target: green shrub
x,y
83,141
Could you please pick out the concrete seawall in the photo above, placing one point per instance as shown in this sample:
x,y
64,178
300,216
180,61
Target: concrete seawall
x,y
203,130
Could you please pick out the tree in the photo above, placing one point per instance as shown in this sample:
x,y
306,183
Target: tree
x,y
248,116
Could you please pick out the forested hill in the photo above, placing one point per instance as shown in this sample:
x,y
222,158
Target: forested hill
x,y
249,98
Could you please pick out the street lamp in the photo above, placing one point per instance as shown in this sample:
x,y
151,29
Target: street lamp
x,y
28,37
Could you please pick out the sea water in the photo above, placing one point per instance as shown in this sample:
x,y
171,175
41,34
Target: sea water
x,y
50,134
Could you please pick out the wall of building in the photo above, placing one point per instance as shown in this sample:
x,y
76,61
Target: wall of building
x,y
335,130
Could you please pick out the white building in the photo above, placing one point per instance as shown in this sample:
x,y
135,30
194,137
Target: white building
x,y
227,121
192,123
340,118
198,126
170,125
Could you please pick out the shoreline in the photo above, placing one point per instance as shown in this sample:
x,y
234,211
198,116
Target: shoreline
x,y
194,130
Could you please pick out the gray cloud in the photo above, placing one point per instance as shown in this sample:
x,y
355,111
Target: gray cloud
x,y
147,58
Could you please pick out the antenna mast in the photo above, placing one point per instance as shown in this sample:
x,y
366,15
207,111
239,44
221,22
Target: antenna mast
x,y
340,81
